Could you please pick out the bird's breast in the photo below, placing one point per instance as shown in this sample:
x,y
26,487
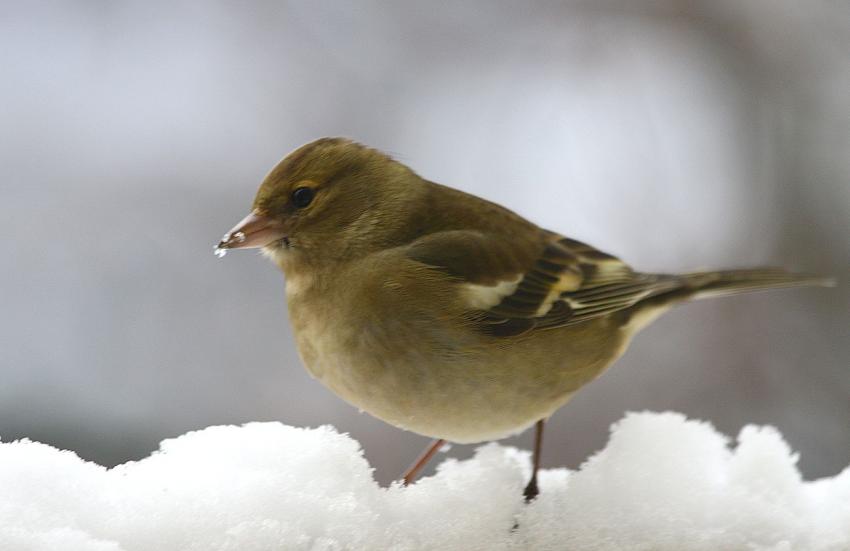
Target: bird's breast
x,y
412,366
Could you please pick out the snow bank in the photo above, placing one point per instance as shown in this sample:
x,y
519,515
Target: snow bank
x,y
661,483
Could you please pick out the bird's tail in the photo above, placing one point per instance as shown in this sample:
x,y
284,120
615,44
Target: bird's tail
x,y
699,285
730,282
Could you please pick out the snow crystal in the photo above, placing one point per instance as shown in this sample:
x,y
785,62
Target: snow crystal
x,y
661,483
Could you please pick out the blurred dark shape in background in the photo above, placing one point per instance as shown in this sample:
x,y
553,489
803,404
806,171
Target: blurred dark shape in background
x,y
678,135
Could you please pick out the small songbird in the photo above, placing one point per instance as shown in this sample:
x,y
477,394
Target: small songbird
x,y
443,313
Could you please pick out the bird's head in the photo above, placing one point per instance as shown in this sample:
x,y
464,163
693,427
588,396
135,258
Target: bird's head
x,y
329,199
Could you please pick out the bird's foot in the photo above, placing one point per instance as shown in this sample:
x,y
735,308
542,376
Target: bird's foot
x,y
531,491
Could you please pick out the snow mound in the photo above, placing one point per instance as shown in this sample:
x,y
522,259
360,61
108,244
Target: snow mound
x,y
661,483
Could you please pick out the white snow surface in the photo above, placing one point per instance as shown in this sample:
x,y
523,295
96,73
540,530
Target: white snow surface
x,y
662,483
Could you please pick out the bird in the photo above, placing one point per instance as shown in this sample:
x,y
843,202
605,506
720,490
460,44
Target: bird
x,y
443,313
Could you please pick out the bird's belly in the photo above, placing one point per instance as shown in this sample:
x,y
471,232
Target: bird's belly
x,y
474,394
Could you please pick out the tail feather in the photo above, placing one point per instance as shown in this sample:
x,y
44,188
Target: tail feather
x,y
700,285
730,282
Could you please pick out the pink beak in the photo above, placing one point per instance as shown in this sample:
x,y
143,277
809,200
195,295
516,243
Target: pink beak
x,y
255,230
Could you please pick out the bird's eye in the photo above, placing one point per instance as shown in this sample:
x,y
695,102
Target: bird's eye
x,y
302,197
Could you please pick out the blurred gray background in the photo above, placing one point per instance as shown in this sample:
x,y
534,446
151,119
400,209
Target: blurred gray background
x,y
678,135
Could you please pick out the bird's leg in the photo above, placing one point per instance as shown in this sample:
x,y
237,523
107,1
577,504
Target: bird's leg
x,y
531,490
410,474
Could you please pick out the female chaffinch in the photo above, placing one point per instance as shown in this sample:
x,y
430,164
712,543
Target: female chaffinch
x,y
443,313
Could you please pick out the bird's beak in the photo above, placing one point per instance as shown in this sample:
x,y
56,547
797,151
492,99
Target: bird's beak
x,y
255,230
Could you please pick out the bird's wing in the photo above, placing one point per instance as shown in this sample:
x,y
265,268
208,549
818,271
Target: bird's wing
x,y
544,282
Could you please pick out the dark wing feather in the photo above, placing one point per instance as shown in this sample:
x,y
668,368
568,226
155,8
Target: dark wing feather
x,y
560,281
579,283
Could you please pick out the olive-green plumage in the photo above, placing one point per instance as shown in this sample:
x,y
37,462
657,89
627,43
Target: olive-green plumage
x,y
440,312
